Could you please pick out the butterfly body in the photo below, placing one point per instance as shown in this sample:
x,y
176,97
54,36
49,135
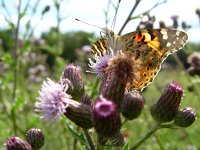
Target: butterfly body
x,y
149,48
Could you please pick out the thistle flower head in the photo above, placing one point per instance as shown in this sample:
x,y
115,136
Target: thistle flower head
x,y
16,143
198,11
35,137
52,100
185,117
106,118
100,62
167,106
75,81
132,105
194,59
122,66
174,17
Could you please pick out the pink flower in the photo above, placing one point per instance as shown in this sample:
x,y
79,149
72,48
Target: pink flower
x,y
100,62
52,100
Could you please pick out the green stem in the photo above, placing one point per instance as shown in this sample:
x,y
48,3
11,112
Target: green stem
x,y
159,142
129,16
16,61
146,136
89,139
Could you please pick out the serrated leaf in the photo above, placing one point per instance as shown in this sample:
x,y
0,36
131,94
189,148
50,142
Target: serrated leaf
x,y
80,137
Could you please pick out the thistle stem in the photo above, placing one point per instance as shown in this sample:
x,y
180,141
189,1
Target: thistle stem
x,y
129,16
89,139
146,136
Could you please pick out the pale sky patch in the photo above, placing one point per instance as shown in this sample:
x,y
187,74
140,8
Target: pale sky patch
x,y
91,11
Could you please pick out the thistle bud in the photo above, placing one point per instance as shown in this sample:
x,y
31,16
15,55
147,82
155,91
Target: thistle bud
x,y
102,140
16,143
76,90
194,70
118,139
86,100
185,117
106,118
175,21
132,105
167,106
35,137
194,59
79,113
162,24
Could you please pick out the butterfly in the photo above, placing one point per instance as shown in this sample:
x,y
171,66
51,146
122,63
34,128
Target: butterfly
x,y
150,48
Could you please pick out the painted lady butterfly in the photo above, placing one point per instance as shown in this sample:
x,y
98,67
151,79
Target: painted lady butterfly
x,y
150,48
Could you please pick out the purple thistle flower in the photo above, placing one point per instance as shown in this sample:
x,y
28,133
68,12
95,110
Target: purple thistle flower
x,y
52,100
106,117
174,17
100,63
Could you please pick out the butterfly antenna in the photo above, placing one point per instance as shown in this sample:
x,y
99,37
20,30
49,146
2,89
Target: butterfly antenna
x,y
115,17
88,23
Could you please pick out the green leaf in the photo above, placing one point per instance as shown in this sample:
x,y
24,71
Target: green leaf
x,y
80,137
125,147
7,59
54,51
17,104
136,17
25,47
21,15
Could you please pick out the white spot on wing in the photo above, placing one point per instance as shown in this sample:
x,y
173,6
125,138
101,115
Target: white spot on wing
x,y
164,33
177,33
168,44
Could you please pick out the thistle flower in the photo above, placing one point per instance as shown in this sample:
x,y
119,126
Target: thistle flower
x,y
35,137
76,86
185,117
100,62
106,118
167,106
185,26
194,59
175,21
118,75
162,24
16,143
132,105
198,12
52,100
